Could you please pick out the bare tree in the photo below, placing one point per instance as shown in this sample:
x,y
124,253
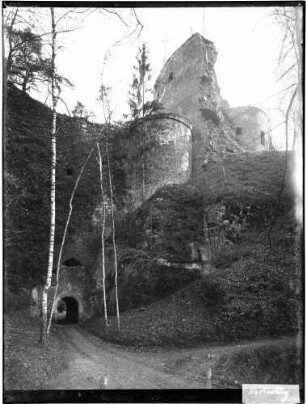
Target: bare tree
x,y
107,111
55,82
113,232
298,137
289,64
289,20
59,260
43,335
102,233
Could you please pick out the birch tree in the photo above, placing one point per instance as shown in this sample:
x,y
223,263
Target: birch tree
x,y
102,235
59,260
43,335
107,111
113,232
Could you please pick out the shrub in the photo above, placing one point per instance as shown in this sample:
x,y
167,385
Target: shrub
x,y
254,299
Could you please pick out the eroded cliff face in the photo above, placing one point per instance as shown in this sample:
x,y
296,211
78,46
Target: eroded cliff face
x,y
188,85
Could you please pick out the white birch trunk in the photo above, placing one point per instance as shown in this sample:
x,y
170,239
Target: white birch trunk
x,y
43,336
64,239
113,236
103,234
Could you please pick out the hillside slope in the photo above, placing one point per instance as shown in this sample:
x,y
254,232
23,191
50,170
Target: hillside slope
x,y
27,159
245,203
254,289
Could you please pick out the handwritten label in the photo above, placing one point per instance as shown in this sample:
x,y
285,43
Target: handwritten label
x,y
270,393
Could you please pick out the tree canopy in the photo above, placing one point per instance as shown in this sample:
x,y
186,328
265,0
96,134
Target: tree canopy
x,y
25,62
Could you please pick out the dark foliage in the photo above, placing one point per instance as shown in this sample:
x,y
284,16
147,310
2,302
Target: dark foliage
x,y
27,158
167,223
254,298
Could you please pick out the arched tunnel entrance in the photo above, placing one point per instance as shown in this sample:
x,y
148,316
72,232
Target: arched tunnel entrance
x,y
68,311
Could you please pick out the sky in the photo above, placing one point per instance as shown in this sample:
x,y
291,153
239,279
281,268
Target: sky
x,y
246,38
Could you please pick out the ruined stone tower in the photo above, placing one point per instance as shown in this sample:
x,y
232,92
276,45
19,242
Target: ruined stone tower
x,y
156,151
251,127
188,85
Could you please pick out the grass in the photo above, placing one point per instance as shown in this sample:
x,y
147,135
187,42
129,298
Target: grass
x,y
178,320
251,178
250,299
252,294
28,366
271,361
277,362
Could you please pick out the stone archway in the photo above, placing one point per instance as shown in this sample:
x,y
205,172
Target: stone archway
x,y
68,310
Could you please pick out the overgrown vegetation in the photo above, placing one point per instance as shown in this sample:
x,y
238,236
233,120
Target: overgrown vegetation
x,y
247,178
27,185
29,366
275,363
252,294
166,223
254,298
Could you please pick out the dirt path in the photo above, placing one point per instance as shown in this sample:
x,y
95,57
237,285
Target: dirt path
x,y
94,365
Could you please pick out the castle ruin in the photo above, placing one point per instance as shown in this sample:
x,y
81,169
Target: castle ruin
x,y
194,128
170,147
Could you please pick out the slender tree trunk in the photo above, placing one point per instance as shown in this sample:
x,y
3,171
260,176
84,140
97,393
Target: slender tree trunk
x,y
103,234
114,235
64,238
43,336
142,155
298,167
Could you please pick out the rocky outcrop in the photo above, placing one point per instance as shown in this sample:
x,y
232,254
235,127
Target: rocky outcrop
x,y
188,85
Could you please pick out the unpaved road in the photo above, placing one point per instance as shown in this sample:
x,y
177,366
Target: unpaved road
x,y
93,365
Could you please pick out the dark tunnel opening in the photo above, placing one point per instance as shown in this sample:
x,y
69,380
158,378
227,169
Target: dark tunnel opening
x,y
68,311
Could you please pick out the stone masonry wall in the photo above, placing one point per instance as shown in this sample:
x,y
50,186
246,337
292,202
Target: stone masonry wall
x,y
188,85
252,127
74,282
157,152
78,247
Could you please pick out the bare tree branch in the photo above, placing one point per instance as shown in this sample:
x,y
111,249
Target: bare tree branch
x,y
64,15
115,13
138,22
286,72
285,169
60,99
